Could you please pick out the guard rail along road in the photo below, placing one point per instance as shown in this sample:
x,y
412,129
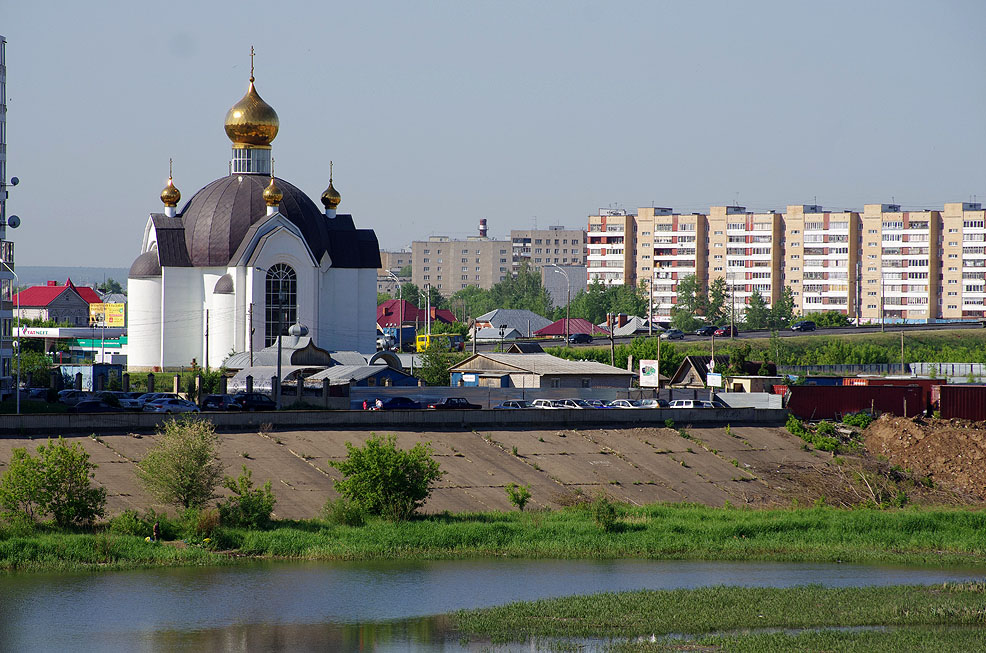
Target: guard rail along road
x,y
100,423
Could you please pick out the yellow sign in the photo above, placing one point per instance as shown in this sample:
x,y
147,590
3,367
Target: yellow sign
x,y
111,315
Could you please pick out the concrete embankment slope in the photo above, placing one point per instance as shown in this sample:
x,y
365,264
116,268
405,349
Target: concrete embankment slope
x,y
745,465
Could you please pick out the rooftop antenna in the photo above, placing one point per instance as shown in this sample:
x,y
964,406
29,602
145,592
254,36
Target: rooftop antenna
x,y
736,200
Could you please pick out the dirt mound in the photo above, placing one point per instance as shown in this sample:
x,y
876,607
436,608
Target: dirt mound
x,y
949,452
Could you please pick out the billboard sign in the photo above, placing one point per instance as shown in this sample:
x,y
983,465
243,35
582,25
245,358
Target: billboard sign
x,y
110,315
648,374
714,380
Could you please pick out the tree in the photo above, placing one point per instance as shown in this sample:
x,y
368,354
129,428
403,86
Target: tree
x,y
719,302
410,293
111,286
247,506
383,297
782,313
33,363
57,483
691,296
524,291
519,495
385,480
435,363
757,314
184,468
405,271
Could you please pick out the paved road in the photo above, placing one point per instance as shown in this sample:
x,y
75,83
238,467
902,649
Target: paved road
x,y
786,333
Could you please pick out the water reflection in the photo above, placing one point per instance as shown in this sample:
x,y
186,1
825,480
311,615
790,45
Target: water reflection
x,y
375,606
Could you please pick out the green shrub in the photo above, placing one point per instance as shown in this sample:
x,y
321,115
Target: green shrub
x,y
385,480
825,428
56,484
519,495
343,512
604,513
861,420
184,468
247,506
129,522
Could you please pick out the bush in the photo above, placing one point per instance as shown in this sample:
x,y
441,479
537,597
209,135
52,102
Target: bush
x,y
57,484
129,523
184,468
861,420
343,512
604,513
385,480
825,428
247,506
519,495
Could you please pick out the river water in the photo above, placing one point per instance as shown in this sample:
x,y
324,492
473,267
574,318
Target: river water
x,y
380,607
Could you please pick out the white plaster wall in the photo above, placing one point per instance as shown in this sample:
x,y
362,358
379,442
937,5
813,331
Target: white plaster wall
x,y
366,319
143,323
282,246
222,325
183,316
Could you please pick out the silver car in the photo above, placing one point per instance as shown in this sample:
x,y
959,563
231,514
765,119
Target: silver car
x,y
170,406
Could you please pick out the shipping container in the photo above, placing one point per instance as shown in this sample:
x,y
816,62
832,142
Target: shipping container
x,y
832,402
780,390
964,402
926,383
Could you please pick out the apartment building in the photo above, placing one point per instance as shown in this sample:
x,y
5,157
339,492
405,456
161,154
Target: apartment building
x,y
821,259
393,261
963,263
746,249
451,265
669,247
555,245
610,247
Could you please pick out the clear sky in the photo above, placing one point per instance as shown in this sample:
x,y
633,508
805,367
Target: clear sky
x,y
440,113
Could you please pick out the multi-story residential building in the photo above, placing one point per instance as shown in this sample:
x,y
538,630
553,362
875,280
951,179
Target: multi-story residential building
x,y
821,259
670,247
746,249
555,245
610,248
901,264
391,263
6,246
963,261
451,265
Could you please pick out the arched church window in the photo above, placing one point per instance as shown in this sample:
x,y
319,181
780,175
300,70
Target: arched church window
x,y
281,301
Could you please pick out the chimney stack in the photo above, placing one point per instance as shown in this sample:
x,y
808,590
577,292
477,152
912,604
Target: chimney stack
x,y
482,228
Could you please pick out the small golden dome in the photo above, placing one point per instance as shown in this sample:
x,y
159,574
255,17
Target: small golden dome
x,y
331,197
273,194
251,121
170,195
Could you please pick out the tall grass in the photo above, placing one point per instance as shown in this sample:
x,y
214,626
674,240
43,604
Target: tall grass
x,y
661,531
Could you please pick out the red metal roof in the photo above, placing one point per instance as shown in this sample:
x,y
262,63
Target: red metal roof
x,y
576,325
44,295
389,313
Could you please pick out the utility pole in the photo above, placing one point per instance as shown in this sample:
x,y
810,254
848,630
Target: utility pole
x,y
568,318
400,303
611,321
883,321
428,308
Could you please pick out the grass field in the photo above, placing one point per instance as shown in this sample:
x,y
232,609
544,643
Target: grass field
x,y
914,616
906,536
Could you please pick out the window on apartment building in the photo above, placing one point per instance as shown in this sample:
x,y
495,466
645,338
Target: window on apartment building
x,y
465,269
465,260
953,256
439,260
872,280
871,293
427,268
718,256
537,260
873,231
465,277
503,251
873,269
537,241
795,255
503,269
952,281
952,269
427,277
871,244
477,277
952,243
871,306
952,294
427,251
953,231
952,306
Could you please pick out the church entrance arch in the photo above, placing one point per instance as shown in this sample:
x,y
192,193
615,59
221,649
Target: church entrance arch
x,y
281,297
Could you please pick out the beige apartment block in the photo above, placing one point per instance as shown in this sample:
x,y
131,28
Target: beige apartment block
x,y
555,245
393,261
821,259
451,265
610,248
670,247
901,264
963,261
746,249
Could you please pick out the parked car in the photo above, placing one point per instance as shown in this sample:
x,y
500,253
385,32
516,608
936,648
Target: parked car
x,y
38,394
690,403
654,403
578,404
94,406
544,404
220,402
400,403
148,397
579,339
513,404
253,401
72,397
707,330
453,403
170,406
624,403
597,403
673,334
804,325
726,330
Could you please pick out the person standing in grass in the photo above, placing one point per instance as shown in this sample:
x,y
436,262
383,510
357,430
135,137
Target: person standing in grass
x,y
156,532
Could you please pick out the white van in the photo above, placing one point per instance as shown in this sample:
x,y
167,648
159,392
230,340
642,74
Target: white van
x,y
690,403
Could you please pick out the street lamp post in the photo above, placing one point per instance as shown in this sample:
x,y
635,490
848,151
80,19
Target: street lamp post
x,y
568,305
400,301
17,388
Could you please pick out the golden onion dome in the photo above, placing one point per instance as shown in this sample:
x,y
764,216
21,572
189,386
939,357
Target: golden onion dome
x,y
331,197
273,194
251,121
170,195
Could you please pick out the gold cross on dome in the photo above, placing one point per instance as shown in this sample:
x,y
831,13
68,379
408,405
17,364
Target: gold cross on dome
x,y
251,63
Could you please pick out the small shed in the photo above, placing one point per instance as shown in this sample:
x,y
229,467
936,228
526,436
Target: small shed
x,y
536,371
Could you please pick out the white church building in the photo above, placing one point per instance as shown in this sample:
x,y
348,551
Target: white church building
x,y
247,255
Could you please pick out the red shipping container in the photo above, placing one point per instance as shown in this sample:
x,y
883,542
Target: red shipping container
x,y
964,402
830,402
